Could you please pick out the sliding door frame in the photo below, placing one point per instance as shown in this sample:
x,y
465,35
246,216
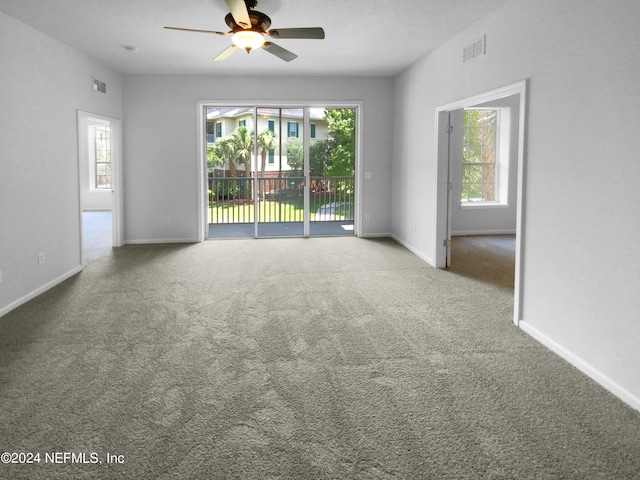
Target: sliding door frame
x,y
201,166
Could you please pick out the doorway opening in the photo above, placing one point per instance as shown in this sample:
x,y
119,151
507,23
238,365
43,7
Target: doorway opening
x,y
481,169
488,258
280,171
99,184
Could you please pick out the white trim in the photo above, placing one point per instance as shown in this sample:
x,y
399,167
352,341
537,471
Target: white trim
x,y
586,368
201,175
306,173
481,205
518,88
117,202
377,235
201,159
489,96
413,250
162,240
40,290
462,233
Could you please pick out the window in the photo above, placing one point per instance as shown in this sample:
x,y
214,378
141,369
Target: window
x,y
271,125
242,123
313,130
103,157
210,133
484,157
218,129
292,129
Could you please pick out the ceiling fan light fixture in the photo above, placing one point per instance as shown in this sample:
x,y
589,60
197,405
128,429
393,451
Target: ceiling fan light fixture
x,y
248,39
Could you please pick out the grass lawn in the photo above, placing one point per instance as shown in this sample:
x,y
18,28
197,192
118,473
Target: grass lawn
x,y
269,211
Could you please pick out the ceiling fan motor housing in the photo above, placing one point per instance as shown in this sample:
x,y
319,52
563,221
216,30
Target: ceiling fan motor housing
x,y
260,22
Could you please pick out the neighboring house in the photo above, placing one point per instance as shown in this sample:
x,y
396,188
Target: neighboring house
x,y
286,123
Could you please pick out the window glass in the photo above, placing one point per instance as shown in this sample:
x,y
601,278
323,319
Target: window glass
x,y
103,157
480,155
292,129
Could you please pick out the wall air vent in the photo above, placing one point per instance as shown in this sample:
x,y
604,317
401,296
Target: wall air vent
x,y
99,86
474,50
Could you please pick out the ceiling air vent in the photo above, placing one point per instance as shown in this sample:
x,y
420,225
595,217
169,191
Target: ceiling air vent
x,y
99,86
473,50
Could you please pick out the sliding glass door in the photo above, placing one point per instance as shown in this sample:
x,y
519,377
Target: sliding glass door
x,y
332,166
280,171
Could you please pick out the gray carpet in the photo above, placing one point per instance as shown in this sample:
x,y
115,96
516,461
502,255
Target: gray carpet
x,y
329,358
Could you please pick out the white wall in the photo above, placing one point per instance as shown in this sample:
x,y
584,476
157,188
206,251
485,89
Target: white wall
x,y
581,225
43,84
161,157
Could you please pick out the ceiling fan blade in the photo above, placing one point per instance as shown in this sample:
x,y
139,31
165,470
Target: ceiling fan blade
x,y
198,31
307,32
279,52
239,12
226,53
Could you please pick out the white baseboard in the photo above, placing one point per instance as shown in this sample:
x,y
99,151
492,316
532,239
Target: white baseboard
x,y
463,233
375,235
161,240
415,251
40,290
585,367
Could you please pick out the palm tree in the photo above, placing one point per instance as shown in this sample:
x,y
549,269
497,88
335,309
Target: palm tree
x,y
243,142
267,140
225,149
213,159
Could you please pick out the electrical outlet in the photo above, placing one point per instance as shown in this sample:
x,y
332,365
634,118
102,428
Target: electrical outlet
x,y
40,258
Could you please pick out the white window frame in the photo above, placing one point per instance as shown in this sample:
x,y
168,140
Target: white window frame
x,y
502,162
93,168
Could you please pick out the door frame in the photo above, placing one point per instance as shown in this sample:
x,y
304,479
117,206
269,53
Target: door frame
x,y
443,205
83,120
202,185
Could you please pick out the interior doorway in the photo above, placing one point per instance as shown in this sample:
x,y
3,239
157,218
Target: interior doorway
x,y
465,206
96,235
100,182
487,258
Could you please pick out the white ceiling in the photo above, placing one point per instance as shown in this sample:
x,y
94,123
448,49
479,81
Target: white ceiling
x,y
363,37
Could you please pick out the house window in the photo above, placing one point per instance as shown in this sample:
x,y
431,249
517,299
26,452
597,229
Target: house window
x,y
272,156
271,125
484,178
292,129
242,123
103,157
313,130
211,137
218,129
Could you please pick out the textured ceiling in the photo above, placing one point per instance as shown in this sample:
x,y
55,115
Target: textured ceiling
x,y
372,37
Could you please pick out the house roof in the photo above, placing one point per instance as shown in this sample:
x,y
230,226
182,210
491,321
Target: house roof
x,y
231,112
363,37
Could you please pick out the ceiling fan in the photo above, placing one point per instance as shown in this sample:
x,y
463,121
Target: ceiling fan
x,y
249,27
